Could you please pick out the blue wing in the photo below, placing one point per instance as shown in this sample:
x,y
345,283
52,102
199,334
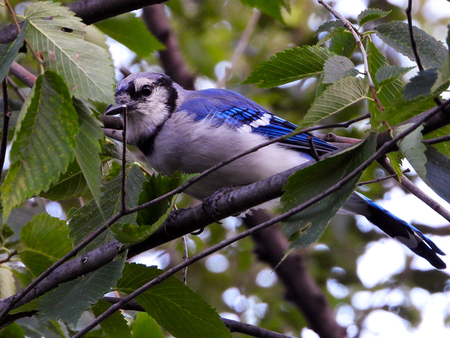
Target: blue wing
x,y
236,111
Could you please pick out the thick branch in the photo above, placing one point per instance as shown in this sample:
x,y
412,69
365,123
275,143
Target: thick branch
x,y
271,246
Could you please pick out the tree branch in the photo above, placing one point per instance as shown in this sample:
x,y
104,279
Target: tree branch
x,y
171,58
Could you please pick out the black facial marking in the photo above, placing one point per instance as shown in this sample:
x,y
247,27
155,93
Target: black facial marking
x,y
167,83
130,89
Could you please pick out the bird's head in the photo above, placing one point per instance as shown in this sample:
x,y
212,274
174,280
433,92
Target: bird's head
x,y
148,99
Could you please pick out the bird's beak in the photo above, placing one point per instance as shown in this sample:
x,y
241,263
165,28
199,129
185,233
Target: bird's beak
x,y
115,110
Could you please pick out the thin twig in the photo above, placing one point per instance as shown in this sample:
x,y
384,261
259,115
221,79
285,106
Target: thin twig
x,y
436,140
7,304
5,131
13,14
185,257
413,189
355,34
8,258
22,74
124,161
240,48
16,88
408,12
264,225
381,179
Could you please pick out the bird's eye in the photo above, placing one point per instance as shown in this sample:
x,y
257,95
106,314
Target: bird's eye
x,y
146,90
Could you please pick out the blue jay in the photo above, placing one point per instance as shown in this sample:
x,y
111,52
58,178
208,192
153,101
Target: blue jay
x,y
191,131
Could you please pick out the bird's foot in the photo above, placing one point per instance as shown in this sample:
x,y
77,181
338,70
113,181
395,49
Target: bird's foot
x,y
209,204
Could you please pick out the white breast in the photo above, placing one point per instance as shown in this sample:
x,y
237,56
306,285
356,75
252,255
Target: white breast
x,y
192,147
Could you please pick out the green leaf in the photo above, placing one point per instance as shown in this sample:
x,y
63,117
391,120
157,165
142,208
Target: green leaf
x,y
443,147
172,304
337,67
420,85
333,33
412,148
144,325
5,233
400,110
336,97
88,218
59,36
371,14
45,240
132,33
269,7
290,65
387,74
69,300
329,25
308,225
395,160
387,93
395,33
9,51
87,151
70,184
7,282
115,325
154,216
43,143
13,330
343,44
438,172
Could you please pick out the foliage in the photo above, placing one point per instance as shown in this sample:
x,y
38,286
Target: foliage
x,y
59,154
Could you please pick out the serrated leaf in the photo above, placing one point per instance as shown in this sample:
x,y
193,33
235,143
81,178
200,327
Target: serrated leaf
x,y
55,32
172,304
395,33
336,97
47,127
9,51
412,148
388,92
45,240
269,7
400,110
420,85
290,65
329,25
337,67
343,44
130,31
308,225
7,282
154,216
389,73
115,325
371,14
438,172
89,217
144,325
87,151
69,300
70,184
333,33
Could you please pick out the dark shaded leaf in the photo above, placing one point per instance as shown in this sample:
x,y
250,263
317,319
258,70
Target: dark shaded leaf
x,y
395,33
438,172
172,304
308,225
115,325
9,51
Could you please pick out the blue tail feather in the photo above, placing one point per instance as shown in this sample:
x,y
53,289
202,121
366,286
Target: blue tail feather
x,y
396,228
